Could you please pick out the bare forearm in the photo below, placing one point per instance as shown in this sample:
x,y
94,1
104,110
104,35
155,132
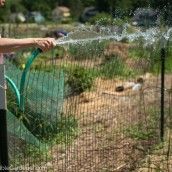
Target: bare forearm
x,y
9,45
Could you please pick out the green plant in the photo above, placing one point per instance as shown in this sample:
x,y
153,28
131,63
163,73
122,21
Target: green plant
x,y
105,19
119,22
87,50
137,132
80,79
43,129
67,131
44,120
115,67
149,54
102,19
63,133
152,55
139,51
148,130
168,59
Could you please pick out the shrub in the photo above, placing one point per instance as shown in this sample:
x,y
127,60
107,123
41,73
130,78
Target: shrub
x,y
87,50
119,22
149,130
147,53
102,19
80,79
114,67
37,124
46,131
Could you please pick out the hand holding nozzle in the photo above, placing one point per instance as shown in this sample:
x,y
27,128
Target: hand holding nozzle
x,y
52,38
45,44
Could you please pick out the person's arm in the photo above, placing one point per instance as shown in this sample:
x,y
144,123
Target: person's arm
x,y
10,45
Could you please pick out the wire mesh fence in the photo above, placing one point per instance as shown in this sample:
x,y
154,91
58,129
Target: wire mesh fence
x,y
93,107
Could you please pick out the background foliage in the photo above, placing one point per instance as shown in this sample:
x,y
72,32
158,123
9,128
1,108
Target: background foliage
x,y
113,7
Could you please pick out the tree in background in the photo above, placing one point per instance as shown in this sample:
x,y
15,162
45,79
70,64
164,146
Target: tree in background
x,y
87,3
117,8
76,8
11,6
165,7
120,8
38,5
123,8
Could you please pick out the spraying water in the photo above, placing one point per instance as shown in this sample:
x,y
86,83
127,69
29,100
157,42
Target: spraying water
x,y
85,35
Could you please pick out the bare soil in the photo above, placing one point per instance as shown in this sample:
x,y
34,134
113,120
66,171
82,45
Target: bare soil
x,y
102,144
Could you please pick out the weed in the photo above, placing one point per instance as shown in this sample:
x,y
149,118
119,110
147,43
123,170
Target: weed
x,y
102,19
80,79
115,67
148,131
84,51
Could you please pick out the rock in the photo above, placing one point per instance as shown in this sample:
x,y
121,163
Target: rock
x,y
119,88
86,97
137,87
49,164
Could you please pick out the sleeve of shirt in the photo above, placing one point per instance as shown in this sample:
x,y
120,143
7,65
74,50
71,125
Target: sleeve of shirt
x,y
1,56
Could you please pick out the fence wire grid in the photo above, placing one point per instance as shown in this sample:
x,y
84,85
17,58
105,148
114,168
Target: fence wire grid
x,y
91,108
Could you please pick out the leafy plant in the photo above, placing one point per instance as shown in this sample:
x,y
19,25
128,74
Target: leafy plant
x,y
168,59
137,132
38,126
80,79
148,131
87,50
150,54
102,19
47,132
105,19
119,22
115,67
140,51
63,133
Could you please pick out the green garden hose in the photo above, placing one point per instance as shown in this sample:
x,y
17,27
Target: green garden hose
x,y
24,74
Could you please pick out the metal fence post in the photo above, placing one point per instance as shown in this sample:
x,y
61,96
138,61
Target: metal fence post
x,y
163,55
4,164
3,122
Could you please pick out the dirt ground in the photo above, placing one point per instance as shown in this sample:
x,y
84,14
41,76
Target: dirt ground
x,y
103,115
